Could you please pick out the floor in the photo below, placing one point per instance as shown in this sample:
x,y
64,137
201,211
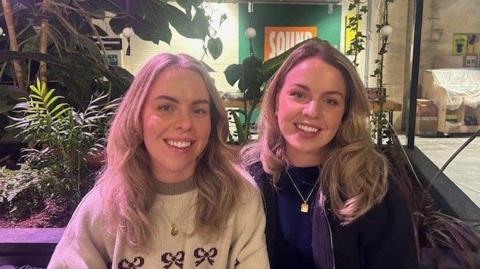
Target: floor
x,y
464,170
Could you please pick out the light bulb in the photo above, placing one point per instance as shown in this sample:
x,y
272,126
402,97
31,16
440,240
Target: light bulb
x,y
1,31
386,30
250,33
127,32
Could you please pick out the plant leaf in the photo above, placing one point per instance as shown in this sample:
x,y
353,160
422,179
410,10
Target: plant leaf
x,y
215,47
233,73
242,136
200,24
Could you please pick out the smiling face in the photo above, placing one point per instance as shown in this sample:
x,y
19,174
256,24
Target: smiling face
x,y
176,123
310,107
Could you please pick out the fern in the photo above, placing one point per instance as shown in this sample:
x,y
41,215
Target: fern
x,y
42,116
61,138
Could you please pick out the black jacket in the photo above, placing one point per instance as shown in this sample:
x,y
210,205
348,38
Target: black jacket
x,y
382,238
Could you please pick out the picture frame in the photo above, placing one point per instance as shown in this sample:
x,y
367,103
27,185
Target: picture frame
x,y
459,44
470,61
473,44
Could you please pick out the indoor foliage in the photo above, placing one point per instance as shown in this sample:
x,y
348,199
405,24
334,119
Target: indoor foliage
x,y
60,42
378,117
359,39
64,147
445,236
252,76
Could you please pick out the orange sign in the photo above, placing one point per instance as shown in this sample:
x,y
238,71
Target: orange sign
x,y
280,39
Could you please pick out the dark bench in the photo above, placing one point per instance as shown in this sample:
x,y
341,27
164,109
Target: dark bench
x,y
28,246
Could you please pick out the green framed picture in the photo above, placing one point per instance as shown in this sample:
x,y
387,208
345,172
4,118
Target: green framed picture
x,y
459,44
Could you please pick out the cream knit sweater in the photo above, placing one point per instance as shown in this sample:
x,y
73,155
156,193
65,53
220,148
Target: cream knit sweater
x,y
86,244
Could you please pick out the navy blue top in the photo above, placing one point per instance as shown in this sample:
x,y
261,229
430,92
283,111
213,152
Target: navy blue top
x,y
389,244
295,225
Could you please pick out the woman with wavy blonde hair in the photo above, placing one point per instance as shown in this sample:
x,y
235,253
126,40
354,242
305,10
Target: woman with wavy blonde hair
x,y
169,197
328,200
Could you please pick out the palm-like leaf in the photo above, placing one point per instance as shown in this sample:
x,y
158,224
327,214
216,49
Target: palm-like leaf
x,y
72,135
42,114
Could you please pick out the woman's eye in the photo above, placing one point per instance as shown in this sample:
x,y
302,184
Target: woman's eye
x,y
331,101
165,108
200,111
298,94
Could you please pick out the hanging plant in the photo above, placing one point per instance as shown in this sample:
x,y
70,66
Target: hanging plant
x,y
378,119
358,41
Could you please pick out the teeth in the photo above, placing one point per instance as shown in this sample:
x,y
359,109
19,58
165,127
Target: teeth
x,y
307,128
179,144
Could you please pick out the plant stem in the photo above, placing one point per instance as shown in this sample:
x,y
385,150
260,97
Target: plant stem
x,y
43,40
356,51
247,130
7,11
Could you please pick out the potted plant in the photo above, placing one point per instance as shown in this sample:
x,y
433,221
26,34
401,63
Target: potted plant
x,y
252,76
443,240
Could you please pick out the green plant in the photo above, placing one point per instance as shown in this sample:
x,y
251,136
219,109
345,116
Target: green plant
x,y
357,43
378,117
433,229
77,65
62,139
22,191
252,76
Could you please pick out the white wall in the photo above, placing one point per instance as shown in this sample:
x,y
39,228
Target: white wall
x,y
453,17
141,50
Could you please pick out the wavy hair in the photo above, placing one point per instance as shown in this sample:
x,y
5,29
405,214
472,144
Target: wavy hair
x,y
354,174
126,181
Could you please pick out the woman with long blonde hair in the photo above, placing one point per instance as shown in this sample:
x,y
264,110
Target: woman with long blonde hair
x,y
329,203
168,196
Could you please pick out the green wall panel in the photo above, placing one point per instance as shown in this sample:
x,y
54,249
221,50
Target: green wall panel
x,y
328,25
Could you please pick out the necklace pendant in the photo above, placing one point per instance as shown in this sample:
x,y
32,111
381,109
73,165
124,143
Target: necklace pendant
x,y
174,230
304,207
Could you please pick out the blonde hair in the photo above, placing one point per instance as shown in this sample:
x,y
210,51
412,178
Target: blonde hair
x,y
353,174
127,182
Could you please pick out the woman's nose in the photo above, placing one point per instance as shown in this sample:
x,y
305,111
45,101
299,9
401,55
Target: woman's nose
x,y
184,121
311,109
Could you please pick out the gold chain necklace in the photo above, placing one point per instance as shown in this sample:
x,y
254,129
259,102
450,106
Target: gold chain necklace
x,y
173,226
304,206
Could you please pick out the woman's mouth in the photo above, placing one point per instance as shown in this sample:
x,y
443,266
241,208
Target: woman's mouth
x,y
307,128
179,144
